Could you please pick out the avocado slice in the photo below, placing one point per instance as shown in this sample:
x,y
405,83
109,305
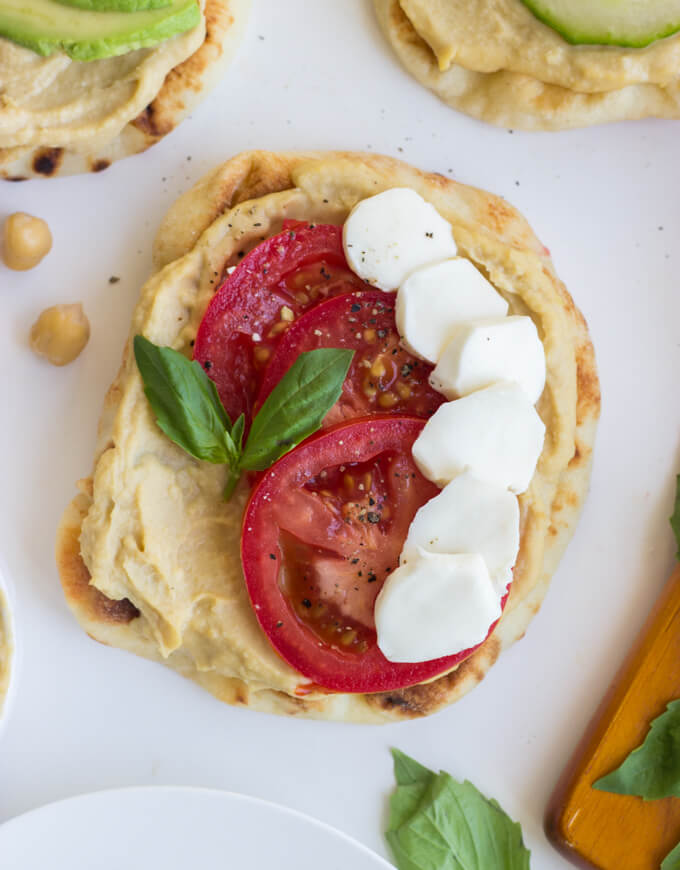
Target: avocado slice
x,y
46,26
630,23
116,5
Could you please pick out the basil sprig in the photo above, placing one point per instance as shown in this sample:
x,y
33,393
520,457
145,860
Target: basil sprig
x,y
438,823
189,411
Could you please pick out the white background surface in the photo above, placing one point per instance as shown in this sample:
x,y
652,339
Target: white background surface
x,y
605,200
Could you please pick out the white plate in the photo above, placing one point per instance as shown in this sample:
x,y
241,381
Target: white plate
x,y
176,829
7,626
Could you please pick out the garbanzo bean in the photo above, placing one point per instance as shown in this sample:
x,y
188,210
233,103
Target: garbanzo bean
x,y
60,333
27,240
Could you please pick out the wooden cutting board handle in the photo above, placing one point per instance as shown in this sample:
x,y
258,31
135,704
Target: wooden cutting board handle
x,y
619,832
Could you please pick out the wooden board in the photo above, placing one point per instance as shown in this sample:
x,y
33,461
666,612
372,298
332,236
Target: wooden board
x,y
619,832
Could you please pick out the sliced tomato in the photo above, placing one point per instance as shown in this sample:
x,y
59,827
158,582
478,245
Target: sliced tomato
x,y
255,305
384,378
323,529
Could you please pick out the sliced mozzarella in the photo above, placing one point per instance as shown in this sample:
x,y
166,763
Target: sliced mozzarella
x,y
436,605
436,299
482,352
389,235
469,516
495,433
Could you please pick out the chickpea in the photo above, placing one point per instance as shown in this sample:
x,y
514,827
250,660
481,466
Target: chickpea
x,y
60,333
27,240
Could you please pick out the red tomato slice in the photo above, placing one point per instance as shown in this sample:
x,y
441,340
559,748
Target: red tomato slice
x,y
384,378
322,530
280,278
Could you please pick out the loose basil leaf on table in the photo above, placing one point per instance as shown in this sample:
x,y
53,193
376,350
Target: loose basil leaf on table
x,y
189,411
437,823
651,771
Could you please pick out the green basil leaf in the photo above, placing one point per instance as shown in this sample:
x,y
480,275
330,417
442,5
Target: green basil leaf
x,y
672,860
408,770
652,770
437,823
296,406
237,433
675,519
185,402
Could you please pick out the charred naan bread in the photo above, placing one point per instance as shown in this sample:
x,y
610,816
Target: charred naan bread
x,y
148,552
61,117
494,60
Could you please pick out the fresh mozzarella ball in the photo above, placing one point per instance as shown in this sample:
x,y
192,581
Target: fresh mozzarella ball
x,y
495,433
389,235
436,605
482,352
469,516
433,301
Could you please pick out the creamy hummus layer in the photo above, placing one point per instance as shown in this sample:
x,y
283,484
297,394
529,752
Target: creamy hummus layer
x,y
491,35
6,649
158,531
58,102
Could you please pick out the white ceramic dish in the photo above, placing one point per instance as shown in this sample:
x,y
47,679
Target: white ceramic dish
x,y
175,828
8,648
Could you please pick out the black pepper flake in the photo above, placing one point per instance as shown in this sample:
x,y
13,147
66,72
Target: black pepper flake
x,y
114,279
207,365
373,517
355,307
326,274
372,577
355,560
430,235
382,333
279,624
371,501
192,342
306,602
257,225
241,254
272,556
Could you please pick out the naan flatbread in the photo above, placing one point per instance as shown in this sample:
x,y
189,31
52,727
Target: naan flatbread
x,y
494,60
148,552
138,99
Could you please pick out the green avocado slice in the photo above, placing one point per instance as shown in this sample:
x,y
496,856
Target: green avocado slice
x,y
46,26
116,5
630,23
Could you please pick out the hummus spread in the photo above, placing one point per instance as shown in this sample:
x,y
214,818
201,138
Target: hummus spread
x,y
58,102
6,649
490,35
151,525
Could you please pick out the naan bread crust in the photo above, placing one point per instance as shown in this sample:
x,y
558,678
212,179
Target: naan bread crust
x,y
181,91
494,60
197,239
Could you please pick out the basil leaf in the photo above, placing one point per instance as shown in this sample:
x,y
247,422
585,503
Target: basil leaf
x,y
437,823
296,406
185,402
653,769
408,770
675,519
672,860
